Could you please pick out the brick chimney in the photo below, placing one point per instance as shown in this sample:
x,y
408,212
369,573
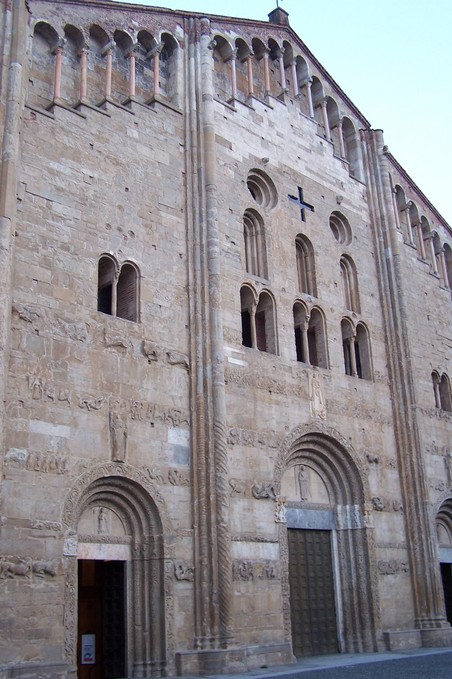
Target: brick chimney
x,y
279,16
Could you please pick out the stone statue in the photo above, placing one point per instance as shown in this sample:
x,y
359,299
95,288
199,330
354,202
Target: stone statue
x,y
317,400
303,481
118,432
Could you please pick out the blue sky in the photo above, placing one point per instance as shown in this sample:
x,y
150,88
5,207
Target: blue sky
x,y
392,58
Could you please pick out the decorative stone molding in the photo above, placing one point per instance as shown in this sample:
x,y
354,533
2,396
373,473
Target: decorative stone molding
x,y
13,566
253,439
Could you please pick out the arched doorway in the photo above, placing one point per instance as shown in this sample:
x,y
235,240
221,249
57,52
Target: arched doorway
x,y
116,582
444,533
328,581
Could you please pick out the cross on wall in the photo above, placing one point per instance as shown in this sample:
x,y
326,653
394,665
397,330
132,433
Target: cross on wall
x,y
301,203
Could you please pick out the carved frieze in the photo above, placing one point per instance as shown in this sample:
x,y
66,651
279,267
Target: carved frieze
x,y
46,463
26,313
392,567
115,341
12,566
176,358
237,486
151,350
247,570
380,504
259,380
253,439
55,526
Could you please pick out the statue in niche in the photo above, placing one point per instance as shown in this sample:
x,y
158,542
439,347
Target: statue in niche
x,y
304,483
102,527
317,399
118,433
448,461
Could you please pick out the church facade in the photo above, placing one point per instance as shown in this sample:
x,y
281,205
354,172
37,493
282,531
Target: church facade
x,y
225,355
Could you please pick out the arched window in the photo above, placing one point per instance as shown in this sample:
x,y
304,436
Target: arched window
x,y
317,95
305,265
260,64
316,339
242,51
302,86
332,111
255,248
352,148
448,266
356,348
169,68
41,77
70,72
340,228
223,60
117,289
402,213
444,393
258,320
349,281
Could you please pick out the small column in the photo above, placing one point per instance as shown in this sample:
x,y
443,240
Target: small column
x,y
233,75
295,78
310,103
326,123
83,68
304,342
442,263
249,65
266,74
351,345
107,52
253,328
282,70
341,139
421,240
408,221
154,54
431,245
436,393
131,57
396,211
58,52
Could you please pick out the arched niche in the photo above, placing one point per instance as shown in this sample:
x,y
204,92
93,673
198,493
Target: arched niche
x,y
325,488
70,70
41,77
223,57
113,513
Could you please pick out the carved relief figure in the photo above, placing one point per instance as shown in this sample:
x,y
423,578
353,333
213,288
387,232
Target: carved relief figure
x,y
102,527
118,433
280,509
317,399
303,482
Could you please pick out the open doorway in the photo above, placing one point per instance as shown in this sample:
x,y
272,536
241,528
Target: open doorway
x,y
102,640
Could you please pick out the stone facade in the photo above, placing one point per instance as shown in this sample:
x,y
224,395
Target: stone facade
x,y
227,325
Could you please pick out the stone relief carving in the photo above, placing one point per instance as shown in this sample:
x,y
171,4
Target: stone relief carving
x,y
250,378
247,570
70,544
46,463
253,537
151,350
26,313
74,330
448,463
280,509
304,483
11,566
41,389
372,459
91,402
264,490
184,571
113,341
177,478
254,439
237,486
378,504
46,525
436,413
176,358
154,474
392,567
118,435
316,395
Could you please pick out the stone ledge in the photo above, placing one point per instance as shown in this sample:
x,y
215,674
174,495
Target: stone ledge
x,y
43,670
402,640
233,660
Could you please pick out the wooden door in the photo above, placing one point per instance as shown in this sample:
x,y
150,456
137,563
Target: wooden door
x,y
312,599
